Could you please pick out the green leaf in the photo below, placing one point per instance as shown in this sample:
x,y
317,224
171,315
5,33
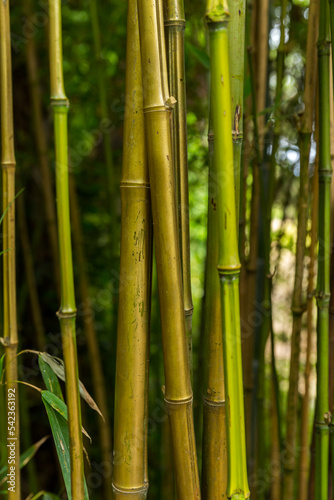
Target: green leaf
x,y
49,377
58,367
200,54
24,458
46,496
59,428
59,405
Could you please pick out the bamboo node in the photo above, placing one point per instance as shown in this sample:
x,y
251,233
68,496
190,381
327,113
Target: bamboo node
x,y
175,402
66,314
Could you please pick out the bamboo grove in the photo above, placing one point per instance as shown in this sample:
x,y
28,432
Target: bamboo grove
x,y
178,216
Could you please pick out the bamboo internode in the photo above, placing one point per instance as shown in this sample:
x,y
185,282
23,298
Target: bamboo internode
x,y
67,312
131,391
8,164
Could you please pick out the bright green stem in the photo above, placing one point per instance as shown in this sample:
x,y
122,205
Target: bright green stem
x,y
323,286
236,40
228,261
67,311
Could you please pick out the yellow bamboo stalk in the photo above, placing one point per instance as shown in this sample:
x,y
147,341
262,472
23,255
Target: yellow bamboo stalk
x,y
175,26
8,164
131,388
157,111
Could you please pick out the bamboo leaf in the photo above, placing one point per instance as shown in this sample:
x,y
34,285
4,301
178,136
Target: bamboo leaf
x,y
50,378
200,54
59,405
46,496
57,415
24,458
57,365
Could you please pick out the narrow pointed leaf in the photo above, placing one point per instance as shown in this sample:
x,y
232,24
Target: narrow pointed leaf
x,y
58,405
58,368
50,378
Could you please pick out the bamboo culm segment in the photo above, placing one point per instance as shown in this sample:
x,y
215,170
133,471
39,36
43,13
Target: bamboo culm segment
x,y
67,312
217,17
175,26
157,112
236,37
131,391
8,164
323,285
214,451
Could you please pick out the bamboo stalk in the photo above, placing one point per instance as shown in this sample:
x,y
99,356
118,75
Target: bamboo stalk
x,y
304,424
91,338
236,39
42,147
214,454
331,334
174,27
297,299
8,164
323,285
67,311
130,469
157,112
217,17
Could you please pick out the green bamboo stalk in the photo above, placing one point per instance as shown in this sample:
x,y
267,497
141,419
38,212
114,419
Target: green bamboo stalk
x,y
95,361
297,299
331,4
217,17
174,27
67,311
8,164
304,424
214,451
323,285
236,39
130,448
42,146
157,111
